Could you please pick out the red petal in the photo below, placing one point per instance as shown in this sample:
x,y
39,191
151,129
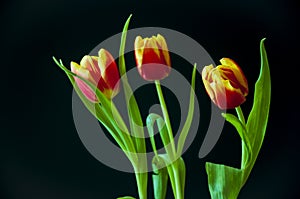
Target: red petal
x,y
154,71
86,90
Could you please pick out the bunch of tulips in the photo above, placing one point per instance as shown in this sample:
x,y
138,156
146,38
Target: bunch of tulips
x,y
97,80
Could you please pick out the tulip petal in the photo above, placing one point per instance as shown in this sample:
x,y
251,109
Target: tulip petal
x,y
151,53
234,97
103,58
138,50
154,71
82,72
206,72
209,90
85,89
151,43
109,72
164,49
219,95
237,72
90,63
228,74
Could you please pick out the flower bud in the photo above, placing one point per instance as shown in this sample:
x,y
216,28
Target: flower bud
x,y
226,84
101,71
152,57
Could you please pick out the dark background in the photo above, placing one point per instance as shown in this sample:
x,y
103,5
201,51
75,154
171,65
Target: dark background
x,y
41,154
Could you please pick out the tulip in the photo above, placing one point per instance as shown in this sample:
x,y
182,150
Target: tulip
x,y
101,71
152,57
226,84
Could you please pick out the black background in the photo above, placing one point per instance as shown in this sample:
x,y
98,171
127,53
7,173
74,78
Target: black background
x,y
41,154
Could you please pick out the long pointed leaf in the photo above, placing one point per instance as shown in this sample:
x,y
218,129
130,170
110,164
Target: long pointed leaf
x,y
189,119
258,117
135,119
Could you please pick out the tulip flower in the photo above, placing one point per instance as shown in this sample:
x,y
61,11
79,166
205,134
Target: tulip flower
x,y
101,71
152,57
226,84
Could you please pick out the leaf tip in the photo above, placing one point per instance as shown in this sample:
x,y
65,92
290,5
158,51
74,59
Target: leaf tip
x,y
262,41
128,19
55,60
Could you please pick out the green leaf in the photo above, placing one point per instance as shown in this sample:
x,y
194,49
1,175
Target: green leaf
x,y
185,130
176,171
122,65
224,182
181,170
136,123
126,197
241,129
258,117
159,177
135,120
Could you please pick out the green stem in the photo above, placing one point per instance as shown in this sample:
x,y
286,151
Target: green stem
x,y
166,117
245,152
123,130
177,171
141,180
240,115
179,192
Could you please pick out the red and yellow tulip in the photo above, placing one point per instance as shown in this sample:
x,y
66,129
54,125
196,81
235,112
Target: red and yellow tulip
x,y
152,57
225,84
101,70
